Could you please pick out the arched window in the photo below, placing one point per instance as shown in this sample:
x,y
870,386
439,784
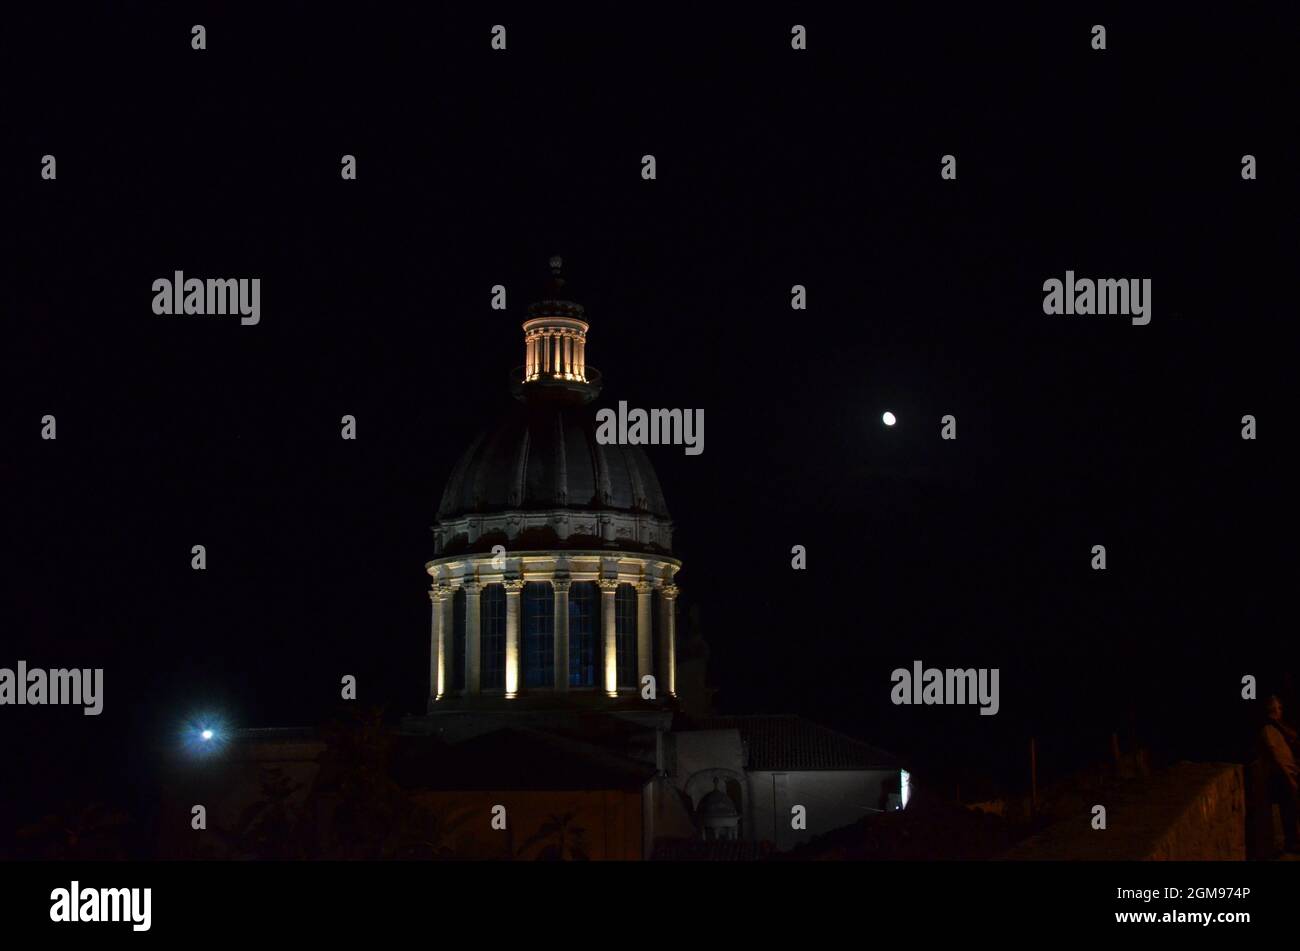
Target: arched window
x,y
458,640
584,633
625,634
539,634
492,641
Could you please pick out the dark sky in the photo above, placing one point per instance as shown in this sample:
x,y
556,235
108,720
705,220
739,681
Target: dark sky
x,y
774,168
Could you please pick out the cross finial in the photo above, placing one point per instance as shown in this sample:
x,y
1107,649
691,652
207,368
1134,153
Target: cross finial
x,y
557,282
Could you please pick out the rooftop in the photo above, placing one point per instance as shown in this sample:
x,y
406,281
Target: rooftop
x,y
788,742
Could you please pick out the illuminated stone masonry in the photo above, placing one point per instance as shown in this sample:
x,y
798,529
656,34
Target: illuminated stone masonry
x,y
553,573
646,575
644,530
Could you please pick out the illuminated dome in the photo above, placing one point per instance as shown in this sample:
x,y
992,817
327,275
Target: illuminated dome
x,y
539,473
552,576
538,479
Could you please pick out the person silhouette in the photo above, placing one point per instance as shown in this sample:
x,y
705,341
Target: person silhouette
x,y
1277,744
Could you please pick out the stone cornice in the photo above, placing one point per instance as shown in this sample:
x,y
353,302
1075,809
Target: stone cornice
x,y
610,554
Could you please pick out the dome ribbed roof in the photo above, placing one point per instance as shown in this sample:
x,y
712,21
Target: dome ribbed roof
x,y
543,455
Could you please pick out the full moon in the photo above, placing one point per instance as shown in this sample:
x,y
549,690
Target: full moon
x,y
889,418
206,734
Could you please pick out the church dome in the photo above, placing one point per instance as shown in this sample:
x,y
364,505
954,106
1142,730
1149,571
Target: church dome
x,y
544,455
538,479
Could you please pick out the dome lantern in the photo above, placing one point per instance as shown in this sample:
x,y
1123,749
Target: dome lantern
x,y
555,345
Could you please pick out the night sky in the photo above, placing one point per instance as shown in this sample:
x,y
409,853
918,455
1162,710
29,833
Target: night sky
x,y
774,168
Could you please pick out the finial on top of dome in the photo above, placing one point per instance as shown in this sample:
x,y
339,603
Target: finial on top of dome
x,y
557,281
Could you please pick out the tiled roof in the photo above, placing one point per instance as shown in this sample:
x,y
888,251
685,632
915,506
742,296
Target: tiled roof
x,y
786,742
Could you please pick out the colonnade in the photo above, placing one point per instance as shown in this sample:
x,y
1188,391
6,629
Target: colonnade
x,y
443,594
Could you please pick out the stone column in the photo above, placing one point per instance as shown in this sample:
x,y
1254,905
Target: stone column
x,y
668,637
560,584
448,654
472,658
644,641
437,643
513,587
608,588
